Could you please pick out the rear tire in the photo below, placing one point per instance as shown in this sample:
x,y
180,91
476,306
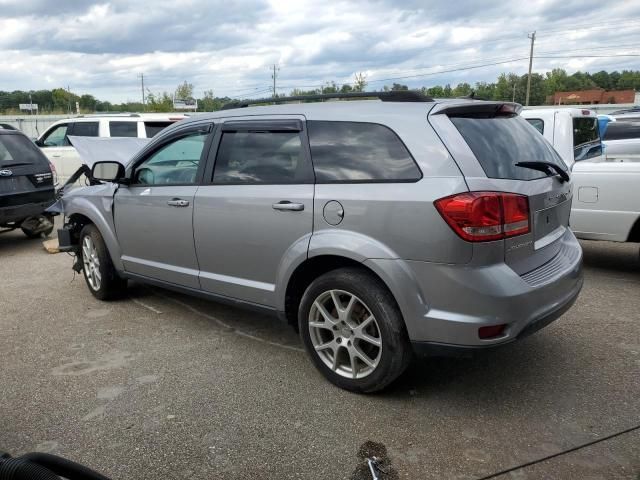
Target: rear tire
x,y
353,330
99,273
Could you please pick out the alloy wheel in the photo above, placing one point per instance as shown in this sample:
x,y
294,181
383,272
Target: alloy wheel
x,y
91,263
345,334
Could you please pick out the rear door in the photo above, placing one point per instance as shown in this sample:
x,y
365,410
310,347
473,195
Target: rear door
x,y
257,207
25,175
487,140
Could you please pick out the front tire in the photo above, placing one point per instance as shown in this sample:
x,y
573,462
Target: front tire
x,y
353,330
99,273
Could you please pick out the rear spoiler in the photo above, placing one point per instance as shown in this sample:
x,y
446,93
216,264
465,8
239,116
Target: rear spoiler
x,y
476,107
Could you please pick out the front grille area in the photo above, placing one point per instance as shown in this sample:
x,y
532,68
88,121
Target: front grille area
x,y
566,257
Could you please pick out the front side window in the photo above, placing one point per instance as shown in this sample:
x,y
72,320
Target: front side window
x,y
123,129
56,137
586,138
622,130
176,163
536,123
85,129
351,152
261,157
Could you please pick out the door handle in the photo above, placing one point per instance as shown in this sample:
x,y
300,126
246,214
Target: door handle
x,y
178,202
287,205
57,156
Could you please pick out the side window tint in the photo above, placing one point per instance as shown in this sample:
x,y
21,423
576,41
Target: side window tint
x,y
84,129
536,123
123,129
359,152
175,163
622,130
254,157
56,137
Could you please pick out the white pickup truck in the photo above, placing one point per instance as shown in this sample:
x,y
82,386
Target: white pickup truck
x,y
606,200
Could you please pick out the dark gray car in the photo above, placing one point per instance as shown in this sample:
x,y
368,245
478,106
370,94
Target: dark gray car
x,y
378,228
26,184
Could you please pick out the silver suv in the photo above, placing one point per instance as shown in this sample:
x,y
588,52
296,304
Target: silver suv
x,y
378,228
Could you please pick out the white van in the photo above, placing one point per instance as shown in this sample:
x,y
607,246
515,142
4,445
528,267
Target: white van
x,y
55,144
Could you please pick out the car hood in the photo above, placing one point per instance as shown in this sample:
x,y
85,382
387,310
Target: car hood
x,y
98,149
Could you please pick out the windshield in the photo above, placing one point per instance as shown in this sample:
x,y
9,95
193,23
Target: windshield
x,y
586,138
499,142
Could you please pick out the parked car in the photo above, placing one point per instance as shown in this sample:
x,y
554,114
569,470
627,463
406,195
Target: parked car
x,y
573,132
54,142
27,181
375,227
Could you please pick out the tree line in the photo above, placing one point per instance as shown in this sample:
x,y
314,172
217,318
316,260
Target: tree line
x,y
508,86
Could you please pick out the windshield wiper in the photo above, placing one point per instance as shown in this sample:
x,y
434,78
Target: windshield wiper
x,y
546,167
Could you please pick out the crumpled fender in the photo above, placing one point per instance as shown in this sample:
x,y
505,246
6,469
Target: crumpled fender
x,y
96,203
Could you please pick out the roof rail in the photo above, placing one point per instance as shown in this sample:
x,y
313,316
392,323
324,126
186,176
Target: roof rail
x,y
392,96
93,115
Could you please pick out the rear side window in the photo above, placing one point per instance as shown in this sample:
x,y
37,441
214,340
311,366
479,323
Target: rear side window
x,y
153,128
84,129
622,130
123,129
536,123
351,152
499,142
261,157
19,150
586,138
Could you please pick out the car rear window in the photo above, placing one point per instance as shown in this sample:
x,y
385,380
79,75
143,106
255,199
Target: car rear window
x,y
499,142
622,130
19,150
153,128
586,138
355,152
123,129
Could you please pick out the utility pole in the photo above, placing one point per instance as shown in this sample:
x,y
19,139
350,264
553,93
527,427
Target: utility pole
x,y
69,102
532,36
274,75
513,99
142,86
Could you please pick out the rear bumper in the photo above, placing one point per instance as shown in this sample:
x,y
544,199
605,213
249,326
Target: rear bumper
x,y
456,300
20,212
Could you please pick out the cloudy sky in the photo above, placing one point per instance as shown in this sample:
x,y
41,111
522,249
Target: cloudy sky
x,y
101,47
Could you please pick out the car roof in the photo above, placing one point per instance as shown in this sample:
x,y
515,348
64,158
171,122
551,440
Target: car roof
x,y
546,113
351,110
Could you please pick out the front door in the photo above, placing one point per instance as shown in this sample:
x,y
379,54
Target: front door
x,y
257,207
55,145
154,214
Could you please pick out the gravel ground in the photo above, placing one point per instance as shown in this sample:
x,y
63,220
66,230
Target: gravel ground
x,y
160,385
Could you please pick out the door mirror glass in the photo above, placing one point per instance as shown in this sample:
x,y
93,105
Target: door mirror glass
x,y
107,171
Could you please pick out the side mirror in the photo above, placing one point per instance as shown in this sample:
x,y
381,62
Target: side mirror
x,y
107,171
39,143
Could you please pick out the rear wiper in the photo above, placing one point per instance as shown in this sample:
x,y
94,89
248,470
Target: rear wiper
x,y
545,167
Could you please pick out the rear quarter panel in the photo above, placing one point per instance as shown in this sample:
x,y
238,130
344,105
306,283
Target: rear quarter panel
x,y
606,201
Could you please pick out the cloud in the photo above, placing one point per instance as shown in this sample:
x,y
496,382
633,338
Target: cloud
x,y
99,47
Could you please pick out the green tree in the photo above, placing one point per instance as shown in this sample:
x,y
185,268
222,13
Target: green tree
x,y
398,87
447,92
462,90
184,91
360,82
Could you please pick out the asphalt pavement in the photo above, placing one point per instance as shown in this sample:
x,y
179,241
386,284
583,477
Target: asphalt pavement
x,y
161,385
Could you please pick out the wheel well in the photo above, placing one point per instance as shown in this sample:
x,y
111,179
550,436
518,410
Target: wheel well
x,y
634,234
76,223
306,273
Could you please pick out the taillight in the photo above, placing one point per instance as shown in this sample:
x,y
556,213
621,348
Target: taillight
x,y
486,216
54,173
